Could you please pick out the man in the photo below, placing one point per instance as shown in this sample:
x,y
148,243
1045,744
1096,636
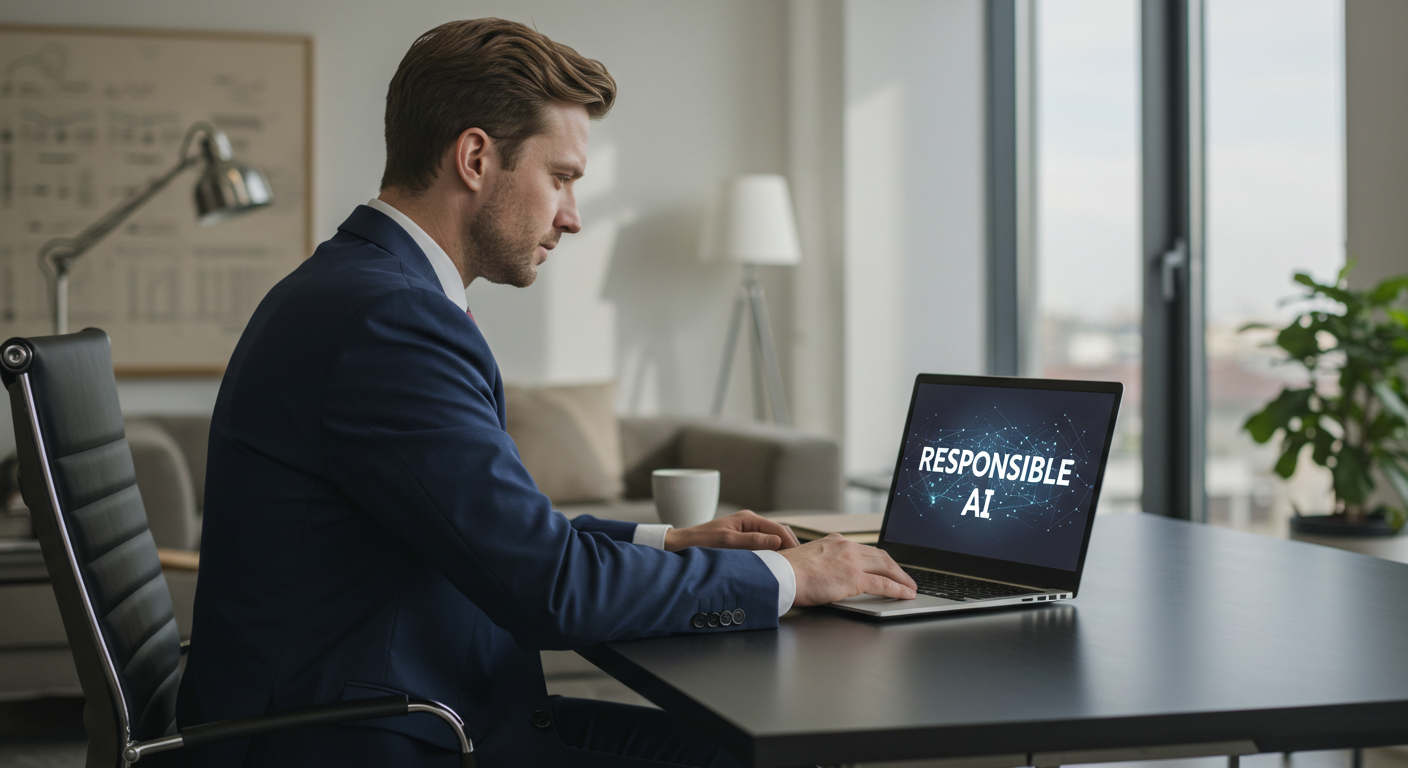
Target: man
x,y
369,527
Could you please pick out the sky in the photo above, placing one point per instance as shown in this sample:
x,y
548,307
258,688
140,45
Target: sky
x,y
1275,193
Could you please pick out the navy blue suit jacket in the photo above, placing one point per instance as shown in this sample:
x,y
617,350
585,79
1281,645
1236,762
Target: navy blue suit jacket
x,y
369,527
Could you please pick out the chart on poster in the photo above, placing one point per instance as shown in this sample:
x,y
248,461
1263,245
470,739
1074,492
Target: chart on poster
x,y
87,118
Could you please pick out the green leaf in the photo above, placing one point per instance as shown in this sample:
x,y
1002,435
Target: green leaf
x,y
1352,482
1345,270
1392,403
1278,413
1298,341
1290,454
1389,289
1383,427
1398,315
1324,447
1336,293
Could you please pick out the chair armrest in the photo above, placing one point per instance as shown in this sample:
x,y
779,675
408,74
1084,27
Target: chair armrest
x,y
766,467
305,717
179,559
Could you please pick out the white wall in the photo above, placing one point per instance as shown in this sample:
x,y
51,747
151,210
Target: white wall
x,y
874,109
816,138
702,96
915,207
1376,154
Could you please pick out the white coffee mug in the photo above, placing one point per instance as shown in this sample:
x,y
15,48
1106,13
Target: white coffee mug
x,y
685,497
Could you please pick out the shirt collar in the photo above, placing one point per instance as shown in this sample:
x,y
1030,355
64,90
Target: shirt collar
x,y
450,280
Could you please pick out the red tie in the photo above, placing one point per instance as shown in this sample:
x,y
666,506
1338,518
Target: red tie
x,y
471,317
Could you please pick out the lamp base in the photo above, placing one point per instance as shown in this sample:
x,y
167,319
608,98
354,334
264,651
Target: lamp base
x,y
750,294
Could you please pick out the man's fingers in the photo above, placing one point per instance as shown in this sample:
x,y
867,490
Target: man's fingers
x,y
748,540
880,585
882,564
764,541
785,536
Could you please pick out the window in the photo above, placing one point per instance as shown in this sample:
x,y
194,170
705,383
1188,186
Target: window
x,y
1088,281
1275,205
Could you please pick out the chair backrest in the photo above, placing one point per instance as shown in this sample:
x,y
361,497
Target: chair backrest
x,y
78,481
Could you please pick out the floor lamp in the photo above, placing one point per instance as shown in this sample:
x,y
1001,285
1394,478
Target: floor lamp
x,y
751,222
224,188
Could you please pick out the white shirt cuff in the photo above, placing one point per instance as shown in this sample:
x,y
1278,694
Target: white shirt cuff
x,y
651,535
786,578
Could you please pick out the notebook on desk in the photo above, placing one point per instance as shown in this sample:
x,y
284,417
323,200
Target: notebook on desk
x,y
993,497
862,528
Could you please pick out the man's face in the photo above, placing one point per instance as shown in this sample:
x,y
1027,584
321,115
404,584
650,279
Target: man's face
x,y
526,210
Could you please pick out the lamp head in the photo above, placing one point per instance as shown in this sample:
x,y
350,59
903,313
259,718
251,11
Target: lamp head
x,y
227,188
751,221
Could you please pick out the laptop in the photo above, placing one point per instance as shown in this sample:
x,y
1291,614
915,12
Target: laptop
x,y
994,492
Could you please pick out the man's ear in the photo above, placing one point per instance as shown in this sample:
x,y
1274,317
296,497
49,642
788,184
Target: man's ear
x,y
473,154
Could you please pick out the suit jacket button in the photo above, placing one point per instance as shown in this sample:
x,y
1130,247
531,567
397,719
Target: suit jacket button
x,y
725,617
541,720
714,619
738,615
699,621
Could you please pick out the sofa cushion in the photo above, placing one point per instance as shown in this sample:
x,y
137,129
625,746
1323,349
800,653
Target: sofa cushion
x,y
192,433
164,480
568,439
745,462
648,443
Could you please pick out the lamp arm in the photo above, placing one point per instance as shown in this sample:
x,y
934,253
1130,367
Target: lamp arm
x,y
61,252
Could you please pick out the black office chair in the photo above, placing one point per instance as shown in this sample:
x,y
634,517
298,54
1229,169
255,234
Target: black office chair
x,y
77,479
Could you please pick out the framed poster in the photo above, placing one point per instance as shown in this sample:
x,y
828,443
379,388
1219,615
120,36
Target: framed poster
x,y
87,117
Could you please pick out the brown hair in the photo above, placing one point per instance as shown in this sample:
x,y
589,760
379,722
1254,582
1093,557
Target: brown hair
x,y
490,74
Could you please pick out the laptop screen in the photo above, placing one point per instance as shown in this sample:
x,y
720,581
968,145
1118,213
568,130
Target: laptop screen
x,y
1001,472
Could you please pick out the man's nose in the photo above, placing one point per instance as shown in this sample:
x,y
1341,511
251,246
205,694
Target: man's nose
x,y
567,220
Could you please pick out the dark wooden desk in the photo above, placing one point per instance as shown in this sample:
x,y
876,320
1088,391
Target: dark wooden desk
x,y
1183,637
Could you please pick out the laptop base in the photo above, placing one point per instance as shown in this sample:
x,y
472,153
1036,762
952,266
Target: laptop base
x,y
886,607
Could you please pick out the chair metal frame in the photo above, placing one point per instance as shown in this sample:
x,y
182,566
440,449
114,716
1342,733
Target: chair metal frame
x,y
16,357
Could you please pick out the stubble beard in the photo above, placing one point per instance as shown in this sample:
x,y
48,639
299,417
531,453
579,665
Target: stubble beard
x,y
500,250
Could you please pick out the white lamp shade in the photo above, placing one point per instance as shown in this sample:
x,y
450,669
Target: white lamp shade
x,y
751,221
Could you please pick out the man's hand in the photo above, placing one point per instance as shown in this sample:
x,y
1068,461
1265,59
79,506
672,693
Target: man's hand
x,y
835,567
740,530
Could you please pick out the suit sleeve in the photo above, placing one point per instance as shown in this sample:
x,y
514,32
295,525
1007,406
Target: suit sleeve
x,y
617,530
411,430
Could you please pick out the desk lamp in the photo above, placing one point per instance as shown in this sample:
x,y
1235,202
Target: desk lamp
x,y
225,188
751,222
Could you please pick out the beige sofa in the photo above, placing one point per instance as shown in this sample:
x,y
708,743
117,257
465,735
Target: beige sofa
x,y
762,468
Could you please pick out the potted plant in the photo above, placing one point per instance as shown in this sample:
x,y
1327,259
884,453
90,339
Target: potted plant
x,y
1352,414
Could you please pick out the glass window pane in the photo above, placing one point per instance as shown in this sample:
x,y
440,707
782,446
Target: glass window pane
x,y
1087,200
1275,203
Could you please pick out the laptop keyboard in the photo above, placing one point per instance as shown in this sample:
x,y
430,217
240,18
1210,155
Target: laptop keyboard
x,y
961,589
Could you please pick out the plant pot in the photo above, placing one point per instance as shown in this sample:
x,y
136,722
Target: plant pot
x,y
1336,525
1372,537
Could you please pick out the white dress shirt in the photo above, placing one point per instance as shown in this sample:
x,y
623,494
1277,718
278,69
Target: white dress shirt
x,y
647,534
